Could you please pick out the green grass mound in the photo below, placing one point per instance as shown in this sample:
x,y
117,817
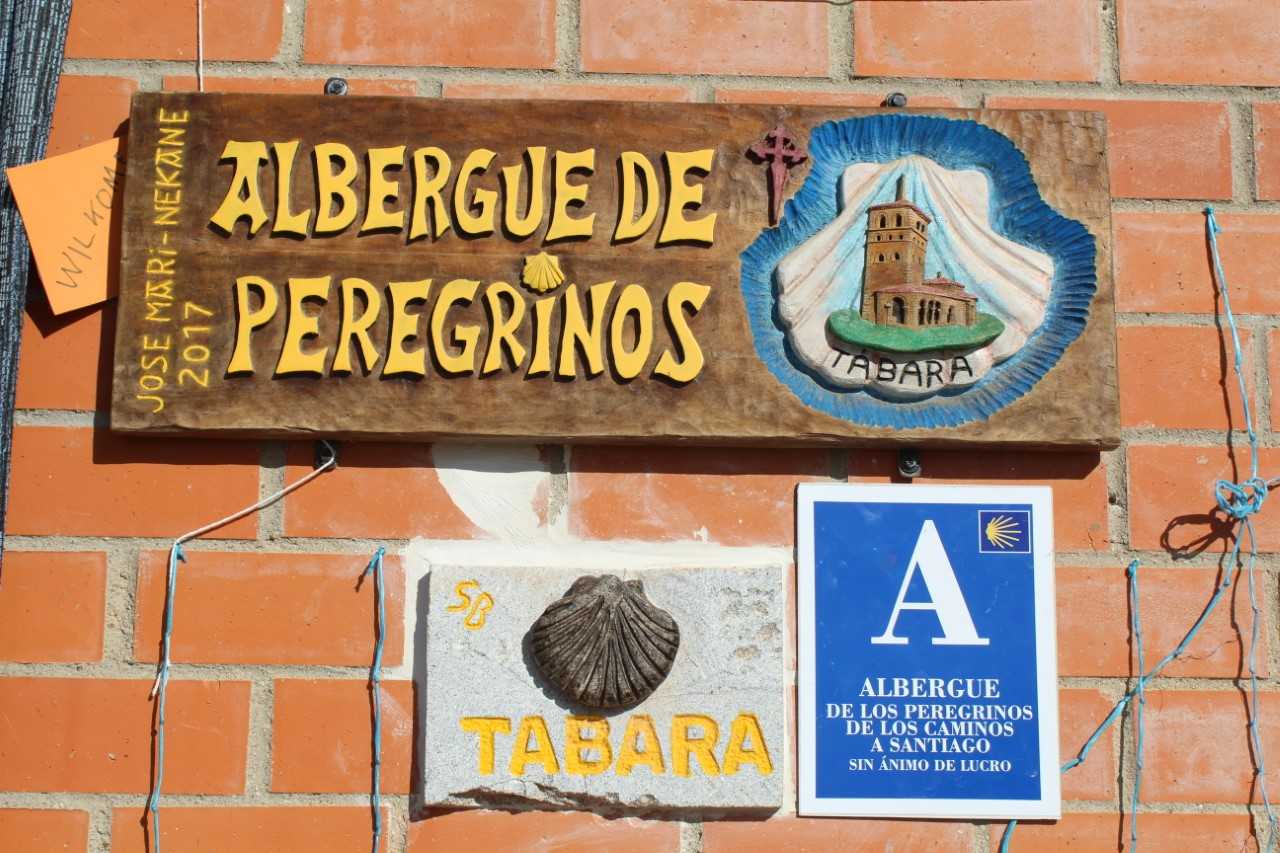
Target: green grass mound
x,y
848,326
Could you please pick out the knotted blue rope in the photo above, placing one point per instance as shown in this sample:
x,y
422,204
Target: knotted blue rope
x,y
1239,501
375,680
159,691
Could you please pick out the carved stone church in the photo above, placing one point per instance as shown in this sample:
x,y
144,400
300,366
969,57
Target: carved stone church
x,y
894,289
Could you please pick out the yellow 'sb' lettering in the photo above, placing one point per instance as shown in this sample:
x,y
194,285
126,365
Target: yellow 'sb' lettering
x,y
476,610
464,600
479,610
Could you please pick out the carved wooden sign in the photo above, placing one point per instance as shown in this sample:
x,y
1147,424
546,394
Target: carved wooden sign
x,y
417,268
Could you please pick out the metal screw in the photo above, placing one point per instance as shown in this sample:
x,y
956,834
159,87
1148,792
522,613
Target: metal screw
x,y
909,463
335,86
895,99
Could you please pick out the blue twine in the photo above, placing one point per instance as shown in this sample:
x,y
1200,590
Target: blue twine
x,y
375,680
1240,501
1136,629
159,691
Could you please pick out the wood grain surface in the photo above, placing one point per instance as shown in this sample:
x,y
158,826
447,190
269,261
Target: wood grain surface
x,y
178,307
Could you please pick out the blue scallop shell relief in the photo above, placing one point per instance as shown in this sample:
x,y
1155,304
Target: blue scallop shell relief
x,y
1017,213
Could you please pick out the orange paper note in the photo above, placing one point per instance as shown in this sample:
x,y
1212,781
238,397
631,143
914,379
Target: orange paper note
x,y
70,205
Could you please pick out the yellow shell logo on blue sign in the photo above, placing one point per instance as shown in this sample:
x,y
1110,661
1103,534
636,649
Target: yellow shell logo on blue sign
x,y
1004,532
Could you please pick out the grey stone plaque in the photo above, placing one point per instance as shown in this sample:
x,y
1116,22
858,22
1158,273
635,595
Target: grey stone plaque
x,y
710,737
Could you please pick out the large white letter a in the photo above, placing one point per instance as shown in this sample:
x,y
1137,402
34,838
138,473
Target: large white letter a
x,y
945,598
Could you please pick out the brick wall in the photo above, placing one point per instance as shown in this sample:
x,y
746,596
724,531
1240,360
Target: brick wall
x,y
268,745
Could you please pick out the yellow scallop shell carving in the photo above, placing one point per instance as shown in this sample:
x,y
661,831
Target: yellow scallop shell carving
x,y
542,272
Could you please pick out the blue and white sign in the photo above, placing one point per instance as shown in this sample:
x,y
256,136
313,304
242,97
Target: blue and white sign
x,y
927,652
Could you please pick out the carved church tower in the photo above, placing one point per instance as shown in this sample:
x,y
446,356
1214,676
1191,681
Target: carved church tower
x,y
897,236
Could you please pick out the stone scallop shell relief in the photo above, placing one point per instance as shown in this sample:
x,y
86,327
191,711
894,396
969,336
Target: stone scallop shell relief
x,y
604,644
917,278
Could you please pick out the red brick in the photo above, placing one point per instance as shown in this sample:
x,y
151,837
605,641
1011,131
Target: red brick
x,y
1102,833
809,97
160,29
567,92
44,831
1163,368
731,497
1156,149
1079,713
470,33
1043,40
77,481
1197,746
89,735
1093,623
1162,262
1172,487
1226,42
269,608
1078,480
248,829
65,362
88,110
704,37
814,835
1266,140
378,491
51,606
562,832
288,85
337,714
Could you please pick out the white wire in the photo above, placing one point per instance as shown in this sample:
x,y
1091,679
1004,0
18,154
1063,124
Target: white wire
x,y
200,45
249,510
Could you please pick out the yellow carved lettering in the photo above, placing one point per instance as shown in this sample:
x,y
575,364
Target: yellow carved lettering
x,y
564,194
286,221
248,319
701,747
300,326
630,224
691,362
640,747
460,290
355,328
516,225
540,364
474,224
503,327
681,195
381,190
576,331
628,362
244,196
582,734
334,187
485,728
405,326
427,192
746,746
542,752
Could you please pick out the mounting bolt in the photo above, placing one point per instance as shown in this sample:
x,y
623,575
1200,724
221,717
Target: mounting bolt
x,y
335,86
909,463
895,99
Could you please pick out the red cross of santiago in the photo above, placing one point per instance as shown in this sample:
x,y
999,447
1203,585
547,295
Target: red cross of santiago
x,y
781,151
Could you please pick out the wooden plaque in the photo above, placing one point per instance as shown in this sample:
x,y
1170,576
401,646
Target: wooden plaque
x,y
411,269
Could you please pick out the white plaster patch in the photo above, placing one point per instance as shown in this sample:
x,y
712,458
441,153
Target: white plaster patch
x,y
730,664
498,487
